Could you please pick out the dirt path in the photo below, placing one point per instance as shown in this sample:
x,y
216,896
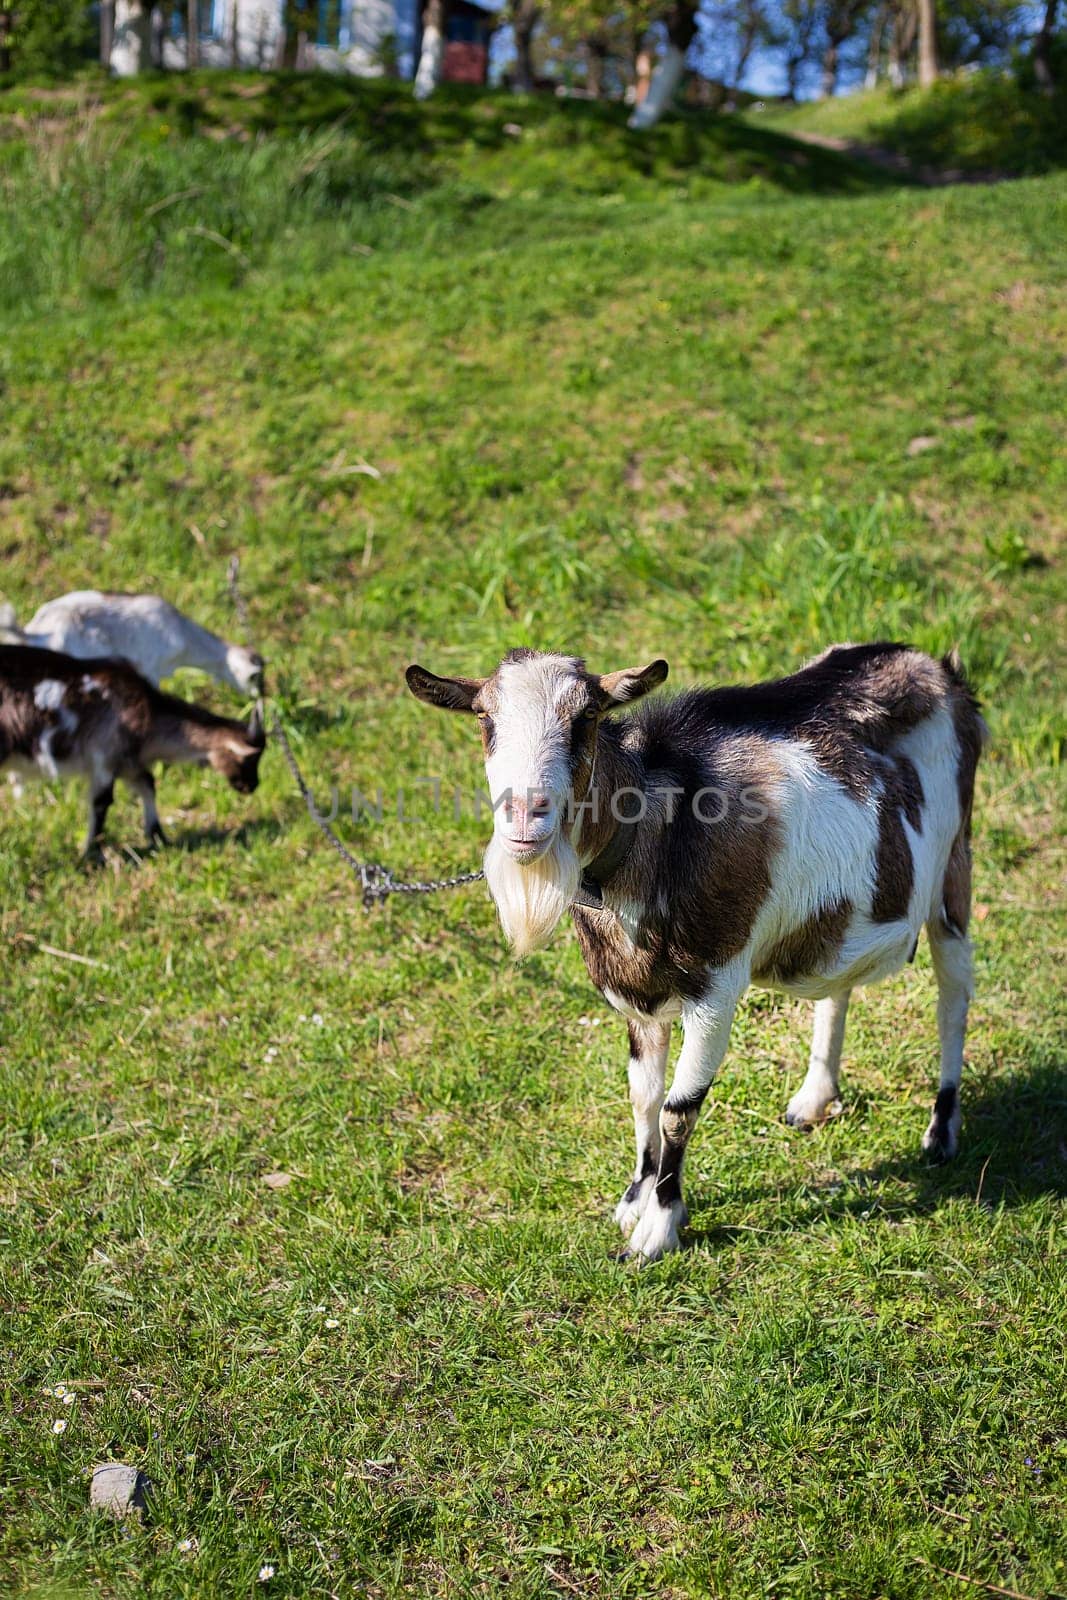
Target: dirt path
x,y
893,161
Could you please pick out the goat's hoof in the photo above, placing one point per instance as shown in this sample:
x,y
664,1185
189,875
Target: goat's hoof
x,y
803,1114
156,840
656,1234
940,1142
92,856
630,1208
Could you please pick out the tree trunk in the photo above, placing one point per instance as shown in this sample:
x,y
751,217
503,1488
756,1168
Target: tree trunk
x,y
927,44
681,22
192,34
901,40
828,82
595,59
234,41
524,19
131,47
7,28
107,31
874,49
432,54
1043,49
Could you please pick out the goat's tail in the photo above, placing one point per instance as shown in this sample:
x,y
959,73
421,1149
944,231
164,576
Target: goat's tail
x,y
10,632
954,668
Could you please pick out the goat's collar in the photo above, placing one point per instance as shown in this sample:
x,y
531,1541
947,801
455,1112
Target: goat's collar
x,y
604,866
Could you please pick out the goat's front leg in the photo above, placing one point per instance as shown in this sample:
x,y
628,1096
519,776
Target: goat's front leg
x,y
649,1043
706,1030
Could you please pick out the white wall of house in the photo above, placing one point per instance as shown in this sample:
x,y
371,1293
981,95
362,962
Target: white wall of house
x,y
364,25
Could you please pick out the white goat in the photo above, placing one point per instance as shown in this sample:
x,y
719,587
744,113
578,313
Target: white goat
x,y
149,633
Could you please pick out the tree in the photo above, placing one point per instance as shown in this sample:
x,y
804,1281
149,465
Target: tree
x,y
432,54
839,24
800,26
131,50
927,44
524,15
680,21
1042,56
192,33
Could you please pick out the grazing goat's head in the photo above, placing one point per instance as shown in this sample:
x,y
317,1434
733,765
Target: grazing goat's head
x,y
245,668
235,755
539,716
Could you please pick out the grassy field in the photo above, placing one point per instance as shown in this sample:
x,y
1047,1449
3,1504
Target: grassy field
x,y
724,423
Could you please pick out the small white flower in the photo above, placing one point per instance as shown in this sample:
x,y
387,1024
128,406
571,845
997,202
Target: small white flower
x,y
67,1398
59,1425
270,1053
59,1390
266,1572
186,1546
332,1322
301,1017
316,1017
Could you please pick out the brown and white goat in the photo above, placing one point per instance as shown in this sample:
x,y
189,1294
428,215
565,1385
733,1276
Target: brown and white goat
x,y
796,835
99,719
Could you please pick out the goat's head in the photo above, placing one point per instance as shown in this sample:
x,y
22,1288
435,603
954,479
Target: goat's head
x,y
236,755
245,668
539,716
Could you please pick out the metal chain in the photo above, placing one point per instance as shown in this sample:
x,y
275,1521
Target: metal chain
x,y
376,881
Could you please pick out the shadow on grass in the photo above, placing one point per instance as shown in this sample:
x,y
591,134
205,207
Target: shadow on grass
x,y
196,839
1013,1149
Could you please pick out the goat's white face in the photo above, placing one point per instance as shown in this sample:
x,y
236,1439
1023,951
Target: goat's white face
x,y
539,716
535,713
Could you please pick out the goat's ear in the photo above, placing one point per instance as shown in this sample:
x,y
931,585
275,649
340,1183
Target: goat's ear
x,y
451,694
257,733
619,688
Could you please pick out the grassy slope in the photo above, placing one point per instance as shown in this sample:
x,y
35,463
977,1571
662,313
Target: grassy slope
x,y
414,1370
987,123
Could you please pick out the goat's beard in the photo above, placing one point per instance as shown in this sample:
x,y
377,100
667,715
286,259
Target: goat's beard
x,y
532,897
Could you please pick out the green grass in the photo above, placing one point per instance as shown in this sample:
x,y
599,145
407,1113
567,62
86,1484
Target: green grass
x,y
989,124
171,183
677,424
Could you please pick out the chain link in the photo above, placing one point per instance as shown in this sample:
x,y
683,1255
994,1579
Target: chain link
x,y
377,882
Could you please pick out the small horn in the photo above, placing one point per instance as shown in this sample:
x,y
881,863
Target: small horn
x,y
256,730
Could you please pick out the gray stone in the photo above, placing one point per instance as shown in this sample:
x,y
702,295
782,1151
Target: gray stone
x,y
117,1489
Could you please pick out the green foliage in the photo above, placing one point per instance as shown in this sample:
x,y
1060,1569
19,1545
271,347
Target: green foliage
x,y
51,37
678,423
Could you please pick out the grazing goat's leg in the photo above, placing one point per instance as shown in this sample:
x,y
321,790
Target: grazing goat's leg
x,y
101,794
706,1030
649,1044
950,949
951,952
812,1101
143,786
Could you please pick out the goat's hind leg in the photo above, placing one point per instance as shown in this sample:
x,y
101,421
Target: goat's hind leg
x,y
815,1099
950,949
101,794
143,785
649,1044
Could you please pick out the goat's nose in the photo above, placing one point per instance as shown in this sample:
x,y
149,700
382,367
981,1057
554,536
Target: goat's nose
x,y
540,804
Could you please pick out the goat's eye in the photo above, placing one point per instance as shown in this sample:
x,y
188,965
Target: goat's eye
x,y
589,714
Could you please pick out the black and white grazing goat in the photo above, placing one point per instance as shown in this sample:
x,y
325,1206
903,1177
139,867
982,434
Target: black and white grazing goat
x,y
796,835
61,717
